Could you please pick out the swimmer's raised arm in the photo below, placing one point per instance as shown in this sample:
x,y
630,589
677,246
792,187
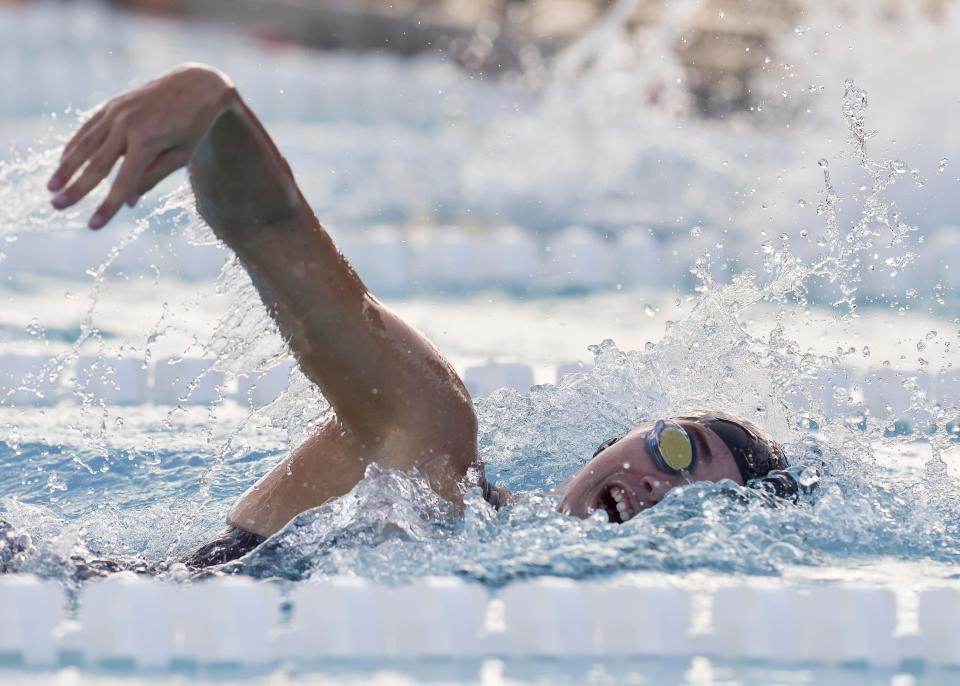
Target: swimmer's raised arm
x,y
397,399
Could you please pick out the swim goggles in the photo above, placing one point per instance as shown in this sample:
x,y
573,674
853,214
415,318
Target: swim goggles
x,y
672,449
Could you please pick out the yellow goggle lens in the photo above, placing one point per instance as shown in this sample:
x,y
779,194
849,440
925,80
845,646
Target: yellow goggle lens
x,y
675,449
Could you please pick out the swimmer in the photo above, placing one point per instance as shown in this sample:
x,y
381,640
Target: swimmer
x,y
397,401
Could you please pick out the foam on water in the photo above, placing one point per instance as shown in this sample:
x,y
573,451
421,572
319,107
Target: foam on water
x,y
83,489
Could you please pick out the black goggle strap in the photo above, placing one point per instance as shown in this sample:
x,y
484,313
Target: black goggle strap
x,y
672,449
741,443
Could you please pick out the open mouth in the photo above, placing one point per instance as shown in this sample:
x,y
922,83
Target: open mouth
x,y
614,500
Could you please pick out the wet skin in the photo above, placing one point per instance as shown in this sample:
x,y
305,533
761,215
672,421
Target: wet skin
x,y
623,479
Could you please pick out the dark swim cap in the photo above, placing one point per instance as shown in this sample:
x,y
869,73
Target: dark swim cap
x,y
754,450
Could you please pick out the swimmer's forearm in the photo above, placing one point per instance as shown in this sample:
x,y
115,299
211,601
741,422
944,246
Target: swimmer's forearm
x,y
241,181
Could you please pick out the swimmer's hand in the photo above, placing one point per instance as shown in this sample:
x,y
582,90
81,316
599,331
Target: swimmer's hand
x,y
155,128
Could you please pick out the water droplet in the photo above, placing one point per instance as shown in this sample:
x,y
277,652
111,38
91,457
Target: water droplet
x,y
941,165
649,310
695,231
899,166
866,351
931,335
823,162
802,203
722,15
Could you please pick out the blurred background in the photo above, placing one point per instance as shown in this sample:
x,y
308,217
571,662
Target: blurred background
x,y
530,158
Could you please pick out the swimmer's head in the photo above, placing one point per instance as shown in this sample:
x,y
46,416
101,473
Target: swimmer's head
x,y
634,471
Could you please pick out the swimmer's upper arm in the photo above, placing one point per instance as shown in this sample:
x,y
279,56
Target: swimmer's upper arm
x,y
379,374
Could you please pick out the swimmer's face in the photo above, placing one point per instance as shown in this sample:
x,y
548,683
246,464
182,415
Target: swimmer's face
x,y
623,480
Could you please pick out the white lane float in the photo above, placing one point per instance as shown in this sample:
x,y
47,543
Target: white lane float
x,y
638,259
484,379
227,620
939,624
831,624
850,624
26,380
382,256
30,611
437,617
127,619
755,624
130,620
449,259
186,381
118,381
631,619
510,259
545,617
579,259
259,389
340,617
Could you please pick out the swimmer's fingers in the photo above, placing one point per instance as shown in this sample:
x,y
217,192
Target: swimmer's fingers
x,y
82,132
96,170
135,160
161,167
78,151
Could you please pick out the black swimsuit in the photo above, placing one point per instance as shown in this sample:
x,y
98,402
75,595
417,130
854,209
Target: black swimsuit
x,y
230,544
